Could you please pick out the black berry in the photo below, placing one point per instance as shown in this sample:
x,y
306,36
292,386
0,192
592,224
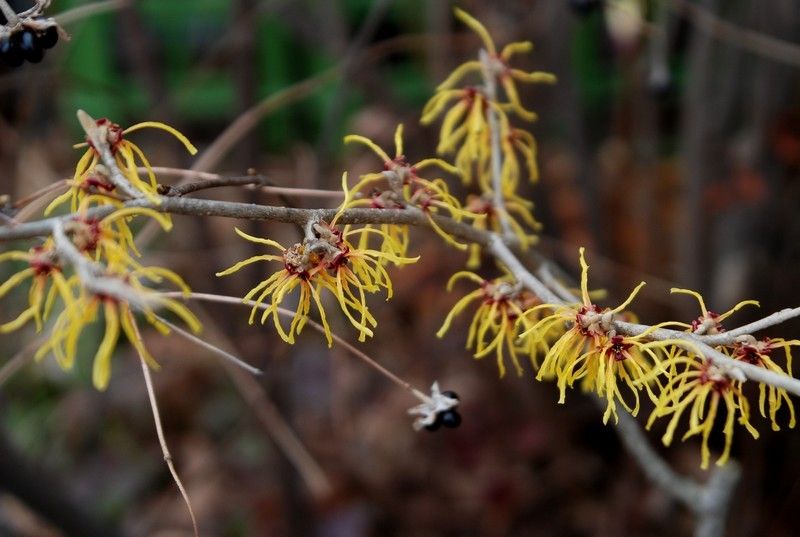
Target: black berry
x,y
10,53
451,394
29,46
48,37
451,418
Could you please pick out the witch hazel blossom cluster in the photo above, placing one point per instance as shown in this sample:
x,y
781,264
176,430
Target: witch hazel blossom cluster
x,y
578,342
568,342
88,271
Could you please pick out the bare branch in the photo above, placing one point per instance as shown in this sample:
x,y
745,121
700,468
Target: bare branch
x,y
275,425
89,10
213,348
316,326
213,180
148,381
490,87
759,43
728,337
249,211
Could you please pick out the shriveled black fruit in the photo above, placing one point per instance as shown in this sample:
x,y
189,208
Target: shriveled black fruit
x,y
451,394
28,44
451,419
10,53
435,425
48,37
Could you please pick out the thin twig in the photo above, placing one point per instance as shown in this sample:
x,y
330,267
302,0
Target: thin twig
x,y
235,360
19,359
759,43
728,337
205,184
276,426
148,381
89,10
682,488
287,313
490,87
54,187
249,211
12,19
213,180
251,117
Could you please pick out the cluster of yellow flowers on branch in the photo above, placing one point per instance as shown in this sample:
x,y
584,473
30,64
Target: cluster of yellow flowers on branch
x,y
326,259
580,341
477,130
89,265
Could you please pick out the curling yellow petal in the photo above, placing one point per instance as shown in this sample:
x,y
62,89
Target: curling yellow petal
x,y
460,72
477,27
369,143
101,371
518,47
15,280
158,125
259,240
630,298
398,140
536,77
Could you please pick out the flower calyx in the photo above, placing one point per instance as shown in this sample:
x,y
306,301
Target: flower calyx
x,y
751,350
85,233
44,260
109,131
707,324
323,248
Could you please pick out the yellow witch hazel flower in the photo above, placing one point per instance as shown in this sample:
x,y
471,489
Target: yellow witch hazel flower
x,y
748,349
118,316
91,177
465,128
591,351
407,187
109,239
758,352
326,259
516,212
499,66
709,322
494,325
701,386
44,269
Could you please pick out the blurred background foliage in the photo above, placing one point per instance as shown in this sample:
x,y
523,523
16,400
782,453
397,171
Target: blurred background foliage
x,y
669,147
